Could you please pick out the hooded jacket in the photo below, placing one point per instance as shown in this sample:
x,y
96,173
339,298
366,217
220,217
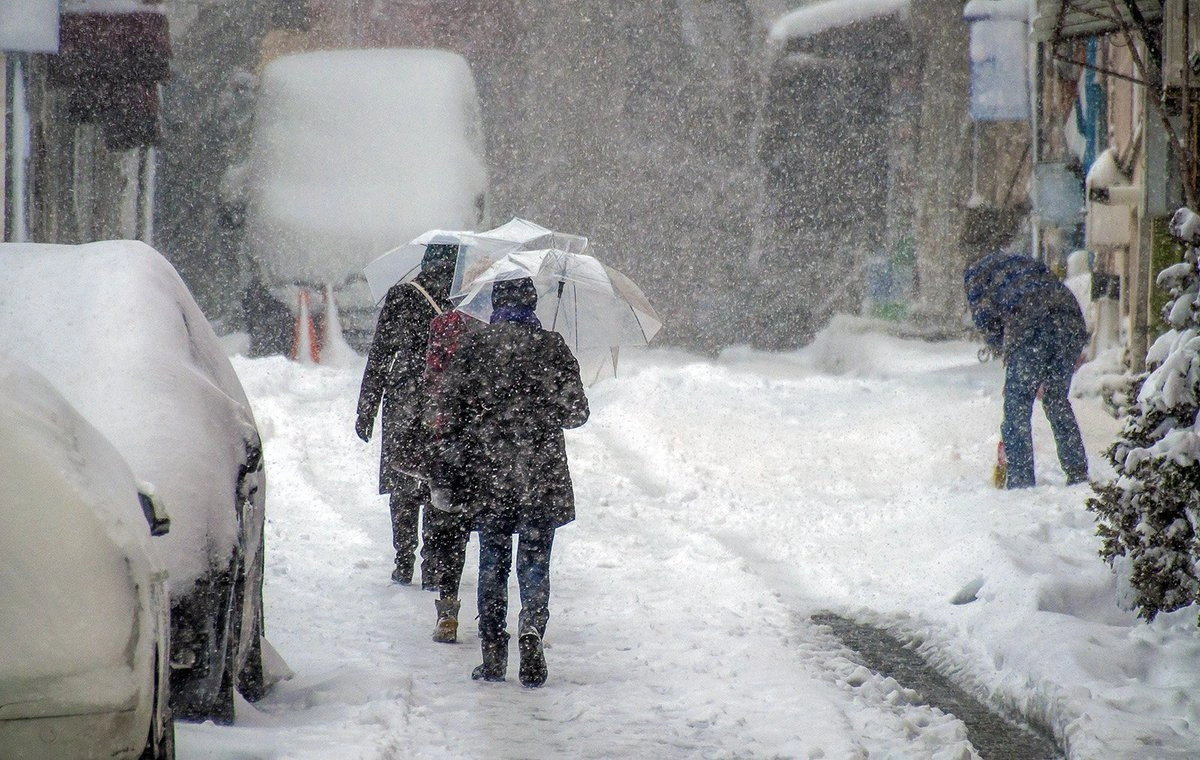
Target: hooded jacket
x,y
1010,295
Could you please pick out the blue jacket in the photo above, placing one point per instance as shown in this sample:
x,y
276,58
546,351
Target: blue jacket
x,y
1010,295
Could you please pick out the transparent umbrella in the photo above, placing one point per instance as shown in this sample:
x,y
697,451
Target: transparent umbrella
x,y
515,235
476,252
403,262
596,309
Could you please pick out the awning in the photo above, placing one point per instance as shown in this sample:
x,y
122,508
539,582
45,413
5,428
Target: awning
x,y
1057,21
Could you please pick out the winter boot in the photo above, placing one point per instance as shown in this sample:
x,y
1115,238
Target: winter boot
x,y
446,630
533,659
495,660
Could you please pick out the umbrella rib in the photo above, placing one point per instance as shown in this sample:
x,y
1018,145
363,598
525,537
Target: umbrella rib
x,y
639,324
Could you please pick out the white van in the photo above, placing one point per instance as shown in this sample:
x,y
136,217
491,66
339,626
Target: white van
x,y
353,153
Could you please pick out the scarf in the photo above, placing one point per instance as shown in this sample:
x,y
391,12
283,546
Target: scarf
x,y
519,314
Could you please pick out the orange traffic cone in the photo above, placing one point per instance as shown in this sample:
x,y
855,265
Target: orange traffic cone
x,y
304,344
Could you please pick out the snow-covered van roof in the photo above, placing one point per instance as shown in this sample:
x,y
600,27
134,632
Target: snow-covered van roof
x,y
357,151
831,14
1014,10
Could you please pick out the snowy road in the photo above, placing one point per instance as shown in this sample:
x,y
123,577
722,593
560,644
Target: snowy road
x,y
721,503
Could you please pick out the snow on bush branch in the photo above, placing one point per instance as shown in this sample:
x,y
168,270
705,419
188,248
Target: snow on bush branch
x,y
1147,517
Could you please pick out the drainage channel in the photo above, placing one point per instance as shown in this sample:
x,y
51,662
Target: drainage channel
x,y
994,736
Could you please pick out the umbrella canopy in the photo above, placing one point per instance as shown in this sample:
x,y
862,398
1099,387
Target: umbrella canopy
x,y
594,307
532,236
403,262
476,252
515,235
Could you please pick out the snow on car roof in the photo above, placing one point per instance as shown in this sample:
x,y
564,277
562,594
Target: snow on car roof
x,y
113,326
356,151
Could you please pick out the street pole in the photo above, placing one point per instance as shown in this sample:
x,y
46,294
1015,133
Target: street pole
x,y
16,142
10,153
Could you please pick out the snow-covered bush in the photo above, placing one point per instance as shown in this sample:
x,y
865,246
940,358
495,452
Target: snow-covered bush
x,y
1148,514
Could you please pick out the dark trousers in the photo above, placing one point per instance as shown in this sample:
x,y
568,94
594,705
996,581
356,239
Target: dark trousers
x,y
533,578
446,537
408,499
1046,360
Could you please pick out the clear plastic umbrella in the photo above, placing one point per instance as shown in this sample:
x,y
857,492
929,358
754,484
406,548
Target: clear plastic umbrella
x,y
594,307
515,235
403,262
476,252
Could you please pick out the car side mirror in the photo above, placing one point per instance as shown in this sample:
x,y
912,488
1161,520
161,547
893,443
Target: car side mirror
x,y
156,516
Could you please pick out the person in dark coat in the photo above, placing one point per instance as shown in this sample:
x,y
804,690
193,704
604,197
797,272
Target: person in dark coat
x,y
511,389
1033,320
393,379
451,529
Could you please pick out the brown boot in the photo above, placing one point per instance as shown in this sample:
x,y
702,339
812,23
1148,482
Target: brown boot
x,y
446,630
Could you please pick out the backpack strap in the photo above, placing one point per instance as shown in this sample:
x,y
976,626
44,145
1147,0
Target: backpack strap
x,y
437,309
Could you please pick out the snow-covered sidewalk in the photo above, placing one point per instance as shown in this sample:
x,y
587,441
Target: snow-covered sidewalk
x,y
721,503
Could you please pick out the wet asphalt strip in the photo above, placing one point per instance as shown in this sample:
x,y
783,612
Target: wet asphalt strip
x,y
994,736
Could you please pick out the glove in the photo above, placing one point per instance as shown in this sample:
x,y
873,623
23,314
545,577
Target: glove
x,y
362,426
440,499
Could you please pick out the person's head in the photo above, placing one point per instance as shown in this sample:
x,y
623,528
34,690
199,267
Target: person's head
x,y
437,266
520,293
439,255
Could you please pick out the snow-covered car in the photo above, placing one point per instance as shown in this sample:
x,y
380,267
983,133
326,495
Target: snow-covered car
x,y
113,326
353,153
84,613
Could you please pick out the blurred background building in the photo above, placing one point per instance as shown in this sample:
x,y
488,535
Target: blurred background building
x,y
756,165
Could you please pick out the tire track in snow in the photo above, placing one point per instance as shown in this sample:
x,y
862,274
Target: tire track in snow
x,y
889,676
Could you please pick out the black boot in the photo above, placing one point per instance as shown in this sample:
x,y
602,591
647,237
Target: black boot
x,y
533,659
495,660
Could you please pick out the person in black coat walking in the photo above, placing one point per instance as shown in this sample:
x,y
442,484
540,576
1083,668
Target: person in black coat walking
x,y
393,379
511,389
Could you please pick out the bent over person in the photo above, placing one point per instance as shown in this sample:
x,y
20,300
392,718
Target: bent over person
x,y
393,379
511,389
1033,320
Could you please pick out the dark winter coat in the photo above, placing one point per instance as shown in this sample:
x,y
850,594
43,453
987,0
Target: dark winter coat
x,y
393,376
1010,295
509,392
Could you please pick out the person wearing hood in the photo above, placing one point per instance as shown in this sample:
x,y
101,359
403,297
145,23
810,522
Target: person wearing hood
x,y
511,389
1033,321
392,380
